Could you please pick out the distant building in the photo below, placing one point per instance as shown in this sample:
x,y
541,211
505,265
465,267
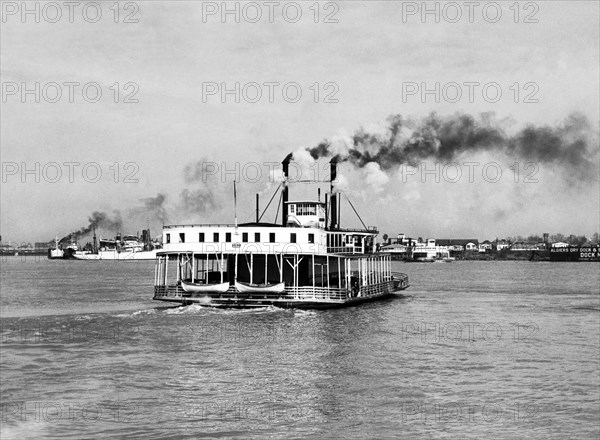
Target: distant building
x,y
6,247
502,244
486,246
527,246
407,241
459,244
560,244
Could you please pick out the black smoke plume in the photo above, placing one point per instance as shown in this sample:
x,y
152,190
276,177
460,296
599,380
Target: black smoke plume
x,y
154,207
199,197
406,141
99,220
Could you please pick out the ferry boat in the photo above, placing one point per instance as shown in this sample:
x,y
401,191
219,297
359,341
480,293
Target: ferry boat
x,y
306,261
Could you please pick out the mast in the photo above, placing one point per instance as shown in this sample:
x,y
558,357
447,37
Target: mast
x,y
257,208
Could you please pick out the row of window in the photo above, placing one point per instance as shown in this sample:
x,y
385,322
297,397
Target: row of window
x,y
304,209
216,236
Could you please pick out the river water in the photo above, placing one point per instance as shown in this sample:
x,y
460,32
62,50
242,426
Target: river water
x,y
472,350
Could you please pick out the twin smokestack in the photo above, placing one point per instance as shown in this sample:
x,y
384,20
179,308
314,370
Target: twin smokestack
x,y
333,208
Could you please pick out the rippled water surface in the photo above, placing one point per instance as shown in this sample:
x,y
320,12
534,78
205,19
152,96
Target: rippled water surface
x,y
473,350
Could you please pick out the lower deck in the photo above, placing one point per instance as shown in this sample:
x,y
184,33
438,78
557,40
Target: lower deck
x,y
283,280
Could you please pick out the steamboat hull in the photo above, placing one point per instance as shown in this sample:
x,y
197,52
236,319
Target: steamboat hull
x,y
281,303
319,299
291,297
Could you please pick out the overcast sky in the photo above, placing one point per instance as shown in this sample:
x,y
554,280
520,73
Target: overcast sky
x,y
363,58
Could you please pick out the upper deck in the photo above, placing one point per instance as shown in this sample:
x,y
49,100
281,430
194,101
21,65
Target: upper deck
x,y
266,238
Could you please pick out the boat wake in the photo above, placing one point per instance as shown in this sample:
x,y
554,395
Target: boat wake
x,y
302,312
138,313
199,309
83,317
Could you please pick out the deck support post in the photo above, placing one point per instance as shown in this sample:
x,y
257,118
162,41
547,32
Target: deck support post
x,y
313,274
166,272
156,268
280,267
236,264
348,269
327,272
221,267
339,272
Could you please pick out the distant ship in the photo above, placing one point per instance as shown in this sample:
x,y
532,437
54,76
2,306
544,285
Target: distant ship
x,y
129,247
429,252
307,261
60,253
56,252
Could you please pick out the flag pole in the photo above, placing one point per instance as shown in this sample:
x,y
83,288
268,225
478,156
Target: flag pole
x,y
235,207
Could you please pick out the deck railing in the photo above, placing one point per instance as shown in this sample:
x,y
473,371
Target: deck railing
x,y
309,292
398,281
200,225
349,249
305,292
170,290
